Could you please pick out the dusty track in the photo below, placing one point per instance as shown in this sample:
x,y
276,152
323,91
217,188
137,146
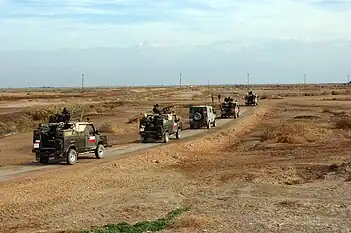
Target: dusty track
x,y
57,193
13,172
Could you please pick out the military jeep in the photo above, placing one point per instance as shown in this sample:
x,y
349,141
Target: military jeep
x,y
159,127
230,109
200,116
65,141
251,98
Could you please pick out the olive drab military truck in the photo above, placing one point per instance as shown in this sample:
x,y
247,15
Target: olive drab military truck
x,y
67,140
230,108
159,127
200,116
251,98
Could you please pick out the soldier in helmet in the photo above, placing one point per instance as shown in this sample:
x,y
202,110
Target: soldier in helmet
x,y
66,116
156,110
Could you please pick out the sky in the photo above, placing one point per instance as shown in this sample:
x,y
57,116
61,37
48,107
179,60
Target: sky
x,y
144,42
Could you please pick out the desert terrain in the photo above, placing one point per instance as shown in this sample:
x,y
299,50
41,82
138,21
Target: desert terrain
x,y
283,166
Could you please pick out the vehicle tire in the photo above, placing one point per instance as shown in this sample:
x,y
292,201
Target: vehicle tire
x,y
197,116
208,125
178,134
214,124
166,137
72,156
44,160
143,139
100,151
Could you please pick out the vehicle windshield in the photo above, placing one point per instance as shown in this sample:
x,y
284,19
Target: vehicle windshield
x,y
197,109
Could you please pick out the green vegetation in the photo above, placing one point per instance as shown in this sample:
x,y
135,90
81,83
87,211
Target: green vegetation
x,y
140,227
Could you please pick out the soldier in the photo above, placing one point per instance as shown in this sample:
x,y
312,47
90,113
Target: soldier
x,y
212,96
156,110
219,97
66,116
236,103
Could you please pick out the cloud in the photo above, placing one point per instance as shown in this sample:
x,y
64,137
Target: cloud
x,y
144,41
89,23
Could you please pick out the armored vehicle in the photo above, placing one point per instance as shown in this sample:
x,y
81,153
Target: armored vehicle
x,y
251,98
65,140
159,127
230,108
200,116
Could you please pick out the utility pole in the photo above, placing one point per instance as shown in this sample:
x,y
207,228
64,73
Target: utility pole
x,y
180,81
304,79
208,90
82,83
248,81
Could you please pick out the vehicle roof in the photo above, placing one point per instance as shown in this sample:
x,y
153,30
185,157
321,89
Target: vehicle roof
x,y
200,106
72,122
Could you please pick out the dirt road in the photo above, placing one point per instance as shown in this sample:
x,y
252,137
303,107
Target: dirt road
x,y
13,172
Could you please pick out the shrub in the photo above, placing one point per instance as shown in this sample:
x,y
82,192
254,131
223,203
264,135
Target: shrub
x,y
344,123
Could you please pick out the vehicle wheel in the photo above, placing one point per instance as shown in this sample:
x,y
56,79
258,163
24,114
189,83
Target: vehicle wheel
x,y
44,160
214,124
72,156
208,125
166,137
142,139
178,134
100,151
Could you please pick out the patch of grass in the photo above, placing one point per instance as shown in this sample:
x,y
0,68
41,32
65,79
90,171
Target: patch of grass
x,y
43,114
192,222
293,132
333,92
140,227
108,127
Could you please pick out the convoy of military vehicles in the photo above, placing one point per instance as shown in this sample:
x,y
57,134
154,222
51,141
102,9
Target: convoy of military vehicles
x,y
63,139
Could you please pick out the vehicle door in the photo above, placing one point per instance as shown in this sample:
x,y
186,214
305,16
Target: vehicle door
x,y
90,137
80,137
174,123
210,114
167,123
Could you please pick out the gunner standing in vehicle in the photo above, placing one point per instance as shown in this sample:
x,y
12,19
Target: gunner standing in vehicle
x,y
65,115
156,110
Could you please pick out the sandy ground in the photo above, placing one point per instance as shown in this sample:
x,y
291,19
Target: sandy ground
x,y
286,167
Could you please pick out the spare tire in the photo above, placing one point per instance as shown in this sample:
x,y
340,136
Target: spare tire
x,y
197,116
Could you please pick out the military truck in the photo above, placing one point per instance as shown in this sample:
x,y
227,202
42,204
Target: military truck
x,y
230,108
159,127
251,98
200,116
67,140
